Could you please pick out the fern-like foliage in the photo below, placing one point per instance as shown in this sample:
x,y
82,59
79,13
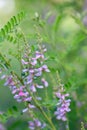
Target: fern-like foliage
x,y
7,31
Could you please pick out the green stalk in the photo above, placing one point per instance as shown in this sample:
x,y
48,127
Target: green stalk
x,y
67,125
44,114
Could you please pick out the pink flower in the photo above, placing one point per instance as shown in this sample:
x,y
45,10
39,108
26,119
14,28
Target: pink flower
x,y
62,106
24,62
44,82
33,88
21,93
39,55
36,124
39,86
45,68
34,62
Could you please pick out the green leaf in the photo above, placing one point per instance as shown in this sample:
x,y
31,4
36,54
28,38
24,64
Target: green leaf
x,y
79,22
57,22
6,29
15,108
51,103
12,22
15,20
2,32
9,26
9,38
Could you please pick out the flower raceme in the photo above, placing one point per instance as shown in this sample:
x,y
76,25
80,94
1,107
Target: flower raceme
x,y
33,69
19,91
62,106
36,124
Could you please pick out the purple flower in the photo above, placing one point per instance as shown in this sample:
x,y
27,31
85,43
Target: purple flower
x,y
34,62
45,68
22,94
62,106
3,76
2,127
29,79
36,124
39,86
24,62
38,72
24,110
31,71
31,106
35,69
31,125
33,88
28,99
39,55
9,81
25,70
44,82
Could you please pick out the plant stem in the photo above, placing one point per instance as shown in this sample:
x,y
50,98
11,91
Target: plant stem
x,y
6,62
44,114
67,125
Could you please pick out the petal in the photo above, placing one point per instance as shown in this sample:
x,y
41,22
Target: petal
x,y
32,88
24,110
39,86
24,62
44,82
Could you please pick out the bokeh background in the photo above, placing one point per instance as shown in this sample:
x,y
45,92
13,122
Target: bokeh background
x,y
64,32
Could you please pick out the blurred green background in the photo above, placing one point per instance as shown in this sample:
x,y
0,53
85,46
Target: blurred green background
x,y
63,27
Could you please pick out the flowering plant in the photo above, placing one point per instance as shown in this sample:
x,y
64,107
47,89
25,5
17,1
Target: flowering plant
x,y
31,88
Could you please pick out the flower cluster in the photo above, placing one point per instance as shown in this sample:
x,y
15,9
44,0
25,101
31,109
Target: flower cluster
x,y
33,69
36,125
62,106
19,91
2,127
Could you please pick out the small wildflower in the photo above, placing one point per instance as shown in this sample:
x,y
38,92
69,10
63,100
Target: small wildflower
x,y
44,82
45,68
39,86
24,62
33,88
62,106
36,124
25,110
2,127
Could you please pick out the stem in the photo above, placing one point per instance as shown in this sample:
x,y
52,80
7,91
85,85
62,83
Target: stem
x,y
24,38
44,114
19,56
67,125
6,62
21,81
8,65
